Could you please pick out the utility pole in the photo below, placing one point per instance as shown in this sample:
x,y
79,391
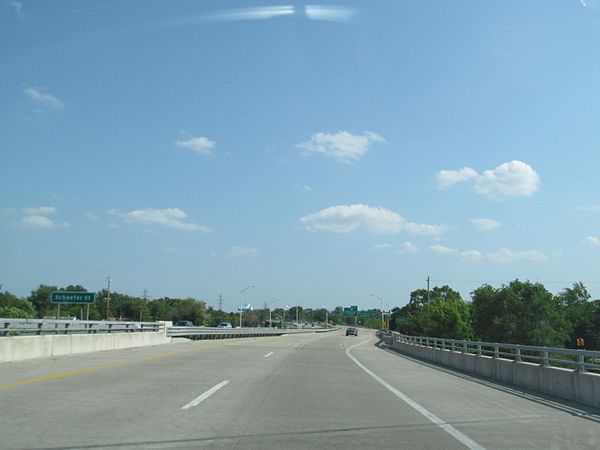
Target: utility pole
x,y
220,302
428,292
108,299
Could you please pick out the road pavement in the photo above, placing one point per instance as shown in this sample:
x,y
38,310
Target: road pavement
x,y
298,391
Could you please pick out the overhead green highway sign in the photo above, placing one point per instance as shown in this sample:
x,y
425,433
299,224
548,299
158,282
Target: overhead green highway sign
x,y
351,311
78,298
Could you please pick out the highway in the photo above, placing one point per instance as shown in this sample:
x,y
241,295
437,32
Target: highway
x,y
298,391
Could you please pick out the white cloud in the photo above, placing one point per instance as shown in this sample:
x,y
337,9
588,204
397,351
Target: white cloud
x,y
506,255
592,240
447,178
382,246
408,247
501,255
592,208
347,218
485,224
43,98
91,216
170,217
239,252
16,6
39,210
329,13
36,222
342,146
510,179
197,144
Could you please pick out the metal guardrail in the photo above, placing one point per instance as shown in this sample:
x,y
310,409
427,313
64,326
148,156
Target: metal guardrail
x,y
579,360
227,333
20,327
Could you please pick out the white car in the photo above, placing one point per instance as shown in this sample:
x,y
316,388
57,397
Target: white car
x,y
224,325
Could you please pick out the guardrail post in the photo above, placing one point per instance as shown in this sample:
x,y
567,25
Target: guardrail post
x,y
39,328
443,344
496,351
110,325
545,360
580,363
6,329
453,346
465,348
518,354
67,328
478,349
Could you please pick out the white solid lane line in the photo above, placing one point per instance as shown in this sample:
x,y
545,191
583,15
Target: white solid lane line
x,y
207,394
470,443
269,354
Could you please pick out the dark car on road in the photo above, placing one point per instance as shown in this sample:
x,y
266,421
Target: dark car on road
x,y
351,331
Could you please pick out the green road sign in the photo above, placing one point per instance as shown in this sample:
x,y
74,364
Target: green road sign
x,y
369,313
400,320
79,298
351,311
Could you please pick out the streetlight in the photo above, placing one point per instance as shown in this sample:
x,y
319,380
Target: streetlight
x,y
376,296
285,307
326,316
241,297
270,323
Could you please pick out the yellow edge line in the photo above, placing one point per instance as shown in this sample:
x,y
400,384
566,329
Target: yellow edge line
x,y
74,372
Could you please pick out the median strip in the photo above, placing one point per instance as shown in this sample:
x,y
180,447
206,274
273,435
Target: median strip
x,y
205,395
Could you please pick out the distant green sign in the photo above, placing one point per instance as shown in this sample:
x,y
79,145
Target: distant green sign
x,y
351,311
400,321
78,298
369,313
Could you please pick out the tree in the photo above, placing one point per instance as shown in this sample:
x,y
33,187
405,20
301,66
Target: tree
x,y
40,299
519,313
12,306
580,312
450,319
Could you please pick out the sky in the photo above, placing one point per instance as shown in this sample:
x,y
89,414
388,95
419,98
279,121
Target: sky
x,y
326,153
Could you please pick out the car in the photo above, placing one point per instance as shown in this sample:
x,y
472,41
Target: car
x,y
224,325
184,323
351,331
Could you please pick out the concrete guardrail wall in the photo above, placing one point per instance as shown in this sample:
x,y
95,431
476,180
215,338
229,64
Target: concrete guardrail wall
x,y
16,348
568,384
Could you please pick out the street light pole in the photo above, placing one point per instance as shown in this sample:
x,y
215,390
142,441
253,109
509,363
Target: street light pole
x,y
376,296
271,304
326,316
285,307
241,297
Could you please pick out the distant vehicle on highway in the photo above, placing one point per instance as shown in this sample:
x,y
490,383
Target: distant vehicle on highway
x,y
224,325
351,331
184,323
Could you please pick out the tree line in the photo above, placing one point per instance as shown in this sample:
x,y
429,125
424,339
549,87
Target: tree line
x,y
126,307
520,312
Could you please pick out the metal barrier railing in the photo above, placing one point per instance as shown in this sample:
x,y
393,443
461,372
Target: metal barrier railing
x,y
580,360
224,333
20,327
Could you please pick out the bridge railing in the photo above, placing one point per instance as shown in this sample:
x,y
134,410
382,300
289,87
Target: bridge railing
x,y
20,327
222,333
579,360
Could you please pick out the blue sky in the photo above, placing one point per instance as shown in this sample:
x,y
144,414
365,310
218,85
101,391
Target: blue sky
x,y
322,152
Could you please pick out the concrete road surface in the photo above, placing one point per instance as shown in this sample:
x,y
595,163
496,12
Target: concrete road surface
x,y
303,391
